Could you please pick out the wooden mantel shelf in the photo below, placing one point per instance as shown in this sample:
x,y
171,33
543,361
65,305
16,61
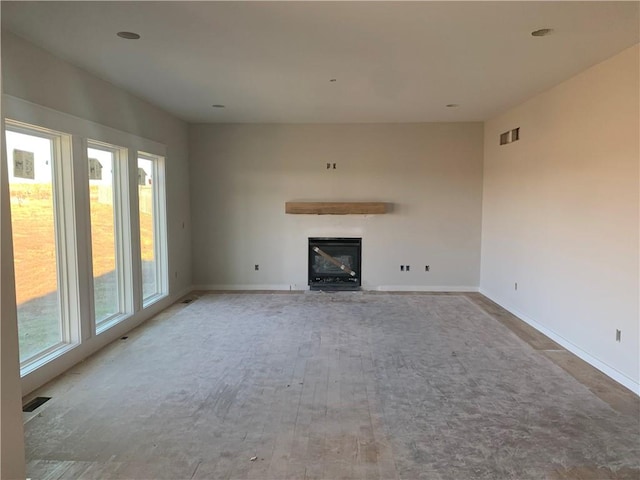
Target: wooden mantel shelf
x,y
335,208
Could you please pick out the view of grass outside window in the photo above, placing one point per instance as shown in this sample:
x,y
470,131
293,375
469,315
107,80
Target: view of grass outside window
x,y
146,199
102,164
31,162
46,219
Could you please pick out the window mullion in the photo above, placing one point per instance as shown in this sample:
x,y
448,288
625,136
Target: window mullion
x,y
134,226
66,232
124,247
83,216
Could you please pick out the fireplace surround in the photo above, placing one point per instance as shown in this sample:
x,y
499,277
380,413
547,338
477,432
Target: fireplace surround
x,y
335,263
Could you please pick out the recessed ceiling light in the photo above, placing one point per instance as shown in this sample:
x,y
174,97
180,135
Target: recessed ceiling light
x,y
542,32
452,105
217,105
128,35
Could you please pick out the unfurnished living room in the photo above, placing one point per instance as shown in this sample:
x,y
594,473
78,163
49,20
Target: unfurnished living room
x,y
320,240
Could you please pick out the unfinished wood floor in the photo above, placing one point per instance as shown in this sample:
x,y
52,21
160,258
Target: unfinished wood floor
x,y
334,385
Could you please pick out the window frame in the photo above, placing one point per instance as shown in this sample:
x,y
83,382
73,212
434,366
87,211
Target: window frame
x,y
86,338
159,229
65,232
122,235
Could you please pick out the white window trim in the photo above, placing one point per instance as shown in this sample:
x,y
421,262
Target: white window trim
x,y
79,130
65,234
159,229
122,238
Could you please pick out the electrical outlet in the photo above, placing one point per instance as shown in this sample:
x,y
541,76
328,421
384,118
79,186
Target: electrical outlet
x,y
402,268
334,166
426,268
618,335
516,285
257,267
408,268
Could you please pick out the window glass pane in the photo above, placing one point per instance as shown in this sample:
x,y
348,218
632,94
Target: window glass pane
x,y
103,233
146,197
30,166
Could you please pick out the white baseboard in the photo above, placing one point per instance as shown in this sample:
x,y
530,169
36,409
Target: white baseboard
x,y
235,287
615,374
295,287
423,288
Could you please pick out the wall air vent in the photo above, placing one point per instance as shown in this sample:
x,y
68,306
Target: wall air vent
x,y
510,136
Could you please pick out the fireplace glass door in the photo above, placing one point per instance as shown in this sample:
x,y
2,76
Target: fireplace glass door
x,y
335,263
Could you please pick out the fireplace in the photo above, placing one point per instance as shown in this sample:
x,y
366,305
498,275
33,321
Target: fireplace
x,y
334,263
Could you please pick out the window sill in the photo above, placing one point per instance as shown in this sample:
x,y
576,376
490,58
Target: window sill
x,y
111,322
149,301
45,357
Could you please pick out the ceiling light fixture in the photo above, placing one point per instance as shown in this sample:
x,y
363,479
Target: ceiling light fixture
x,y
128,35
452,105
218,105
541,32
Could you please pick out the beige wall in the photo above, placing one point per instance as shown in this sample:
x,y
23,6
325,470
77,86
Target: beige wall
x,y
242,175
561,214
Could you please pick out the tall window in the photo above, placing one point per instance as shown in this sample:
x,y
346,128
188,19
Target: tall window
x,y
34,159
152,226
75,236
106,252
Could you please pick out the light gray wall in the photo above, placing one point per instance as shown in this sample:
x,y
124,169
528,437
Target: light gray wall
x,y
33,74
242,175
561,214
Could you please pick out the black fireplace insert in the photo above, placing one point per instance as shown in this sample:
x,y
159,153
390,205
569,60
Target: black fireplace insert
x,y
334,263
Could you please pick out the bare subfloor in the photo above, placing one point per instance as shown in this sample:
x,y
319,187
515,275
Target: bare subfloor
x,y
334,385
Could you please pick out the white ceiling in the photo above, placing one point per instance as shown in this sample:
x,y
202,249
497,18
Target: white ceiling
x,y
272,61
